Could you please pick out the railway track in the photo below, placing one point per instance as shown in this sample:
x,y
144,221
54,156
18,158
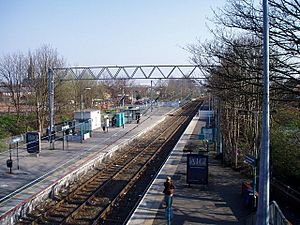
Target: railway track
x,y
285,193
287,198
111,191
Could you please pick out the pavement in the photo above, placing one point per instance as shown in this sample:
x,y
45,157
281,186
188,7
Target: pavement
x,y
219,202
37,173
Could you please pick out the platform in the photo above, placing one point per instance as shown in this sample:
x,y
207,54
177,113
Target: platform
x,y
37,174
219,202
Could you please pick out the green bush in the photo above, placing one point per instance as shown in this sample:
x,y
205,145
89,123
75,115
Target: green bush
x,y
11,125
285,146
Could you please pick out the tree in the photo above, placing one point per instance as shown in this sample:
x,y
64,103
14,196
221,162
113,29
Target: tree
x,y
244,16
40,60
232,63
13,70
118,89
233,70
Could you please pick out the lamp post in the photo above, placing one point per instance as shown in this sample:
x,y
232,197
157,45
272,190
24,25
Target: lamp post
x,y
82,103
81,113
51,105
123,98
264,173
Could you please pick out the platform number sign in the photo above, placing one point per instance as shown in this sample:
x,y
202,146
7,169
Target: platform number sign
x,y
251,160
197,169
33,141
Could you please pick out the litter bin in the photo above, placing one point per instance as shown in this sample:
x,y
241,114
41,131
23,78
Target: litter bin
x,y
9,163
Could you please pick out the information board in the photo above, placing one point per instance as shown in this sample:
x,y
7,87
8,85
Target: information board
x,y
208,134
197,169
33,141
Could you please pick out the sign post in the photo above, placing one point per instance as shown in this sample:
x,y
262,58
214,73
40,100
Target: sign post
x,y
16,141
9,162
252,161
64,128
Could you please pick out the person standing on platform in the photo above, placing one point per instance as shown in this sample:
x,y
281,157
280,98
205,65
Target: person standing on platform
x,y
169,191
107,124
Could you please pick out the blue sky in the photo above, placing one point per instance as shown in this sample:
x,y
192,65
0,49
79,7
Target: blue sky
x,y
111,32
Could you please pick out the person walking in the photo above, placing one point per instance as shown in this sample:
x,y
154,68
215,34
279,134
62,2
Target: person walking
x,y
169,191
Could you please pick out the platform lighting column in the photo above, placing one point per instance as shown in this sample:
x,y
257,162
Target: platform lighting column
x,y
217,126
263,199
209,109
51,105
123,98
82,112
18,164
151,96
81,107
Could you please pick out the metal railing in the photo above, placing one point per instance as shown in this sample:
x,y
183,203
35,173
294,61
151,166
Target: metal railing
x,y
276,216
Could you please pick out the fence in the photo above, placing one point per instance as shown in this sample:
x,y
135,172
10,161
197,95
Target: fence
x,y
276,216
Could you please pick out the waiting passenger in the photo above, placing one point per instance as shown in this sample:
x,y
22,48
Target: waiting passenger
x,y
169,191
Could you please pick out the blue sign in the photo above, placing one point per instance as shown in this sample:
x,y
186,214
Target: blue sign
x,y
251,160
33,141
16,140
208,133
197,169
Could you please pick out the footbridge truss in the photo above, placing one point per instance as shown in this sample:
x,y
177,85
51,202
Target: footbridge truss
x,y
136,72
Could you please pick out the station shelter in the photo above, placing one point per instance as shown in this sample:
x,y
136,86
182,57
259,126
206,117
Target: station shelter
x,y
116,117
132,114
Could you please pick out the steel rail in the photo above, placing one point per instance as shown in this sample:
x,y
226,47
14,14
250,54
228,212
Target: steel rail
x,y
35,221
68,196
89,199
149,184
51,172
124,189
136,176
42,178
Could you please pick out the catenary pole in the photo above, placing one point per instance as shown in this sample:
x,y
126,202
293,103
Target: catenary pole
x,y
264,180
51,105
